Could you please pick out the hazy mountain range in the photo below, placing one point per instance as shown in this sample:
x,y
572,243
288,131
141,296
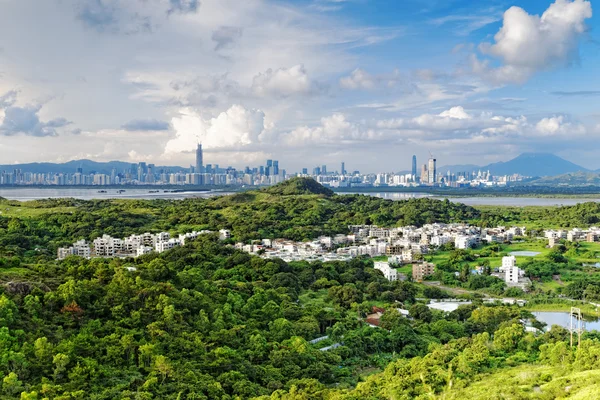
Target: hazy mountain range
x,y
527,164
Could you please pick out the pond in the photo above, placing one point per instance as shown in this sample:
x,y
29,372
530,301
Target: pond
x,y
447,306
596,265
562,319
525,253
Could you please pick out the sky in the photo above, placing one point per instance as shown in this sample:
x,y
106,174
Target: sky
x,y
307,82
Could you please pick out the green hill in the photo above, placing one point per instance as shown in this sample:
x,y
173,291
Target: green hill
x,y
299,186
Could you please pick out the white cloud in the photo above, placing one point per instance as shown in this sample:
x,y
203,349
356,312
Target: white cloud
x,y
282,82
558,126
334,129
358,79
528,43
235,128
456,112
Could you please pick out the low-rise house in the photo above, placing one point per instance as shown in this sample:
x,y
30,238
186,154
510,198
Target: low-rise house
x,y
391,274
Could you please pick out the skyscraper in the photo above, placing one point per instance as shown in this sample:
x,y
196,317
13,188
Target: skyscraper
x,y
424,174
275,167
324,169
269,168
432,171
343,168
199,161
414,167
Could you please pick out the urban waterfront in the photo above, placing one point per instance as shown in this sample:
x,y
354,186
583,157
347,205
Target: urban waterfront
x,y
37,193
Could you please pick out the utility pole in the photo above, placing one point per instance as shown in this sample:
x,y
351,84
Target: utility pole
x,y
576,324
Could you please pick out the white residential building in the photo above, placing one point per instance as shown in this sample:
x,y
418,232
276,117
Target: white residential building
x,y
508,262
391,274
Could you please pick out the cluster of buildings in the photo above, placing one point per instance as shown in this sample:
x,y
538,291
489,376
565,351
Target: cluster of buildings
x,y
420,271
403,245
149,174
132,246
427,175
590,235
202,174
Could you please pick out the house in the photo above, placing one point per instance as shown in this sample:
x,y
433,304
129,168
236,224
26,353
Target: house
x,y
391,274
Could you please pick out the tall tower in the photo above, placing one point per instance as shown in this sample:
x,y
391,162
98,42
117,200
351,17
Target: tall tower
x,y
432,170
414,167
199,161
343,168
269,168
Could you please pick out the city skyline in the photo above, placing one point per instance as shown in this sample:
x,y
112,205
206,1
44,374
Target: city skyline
x,y
354,81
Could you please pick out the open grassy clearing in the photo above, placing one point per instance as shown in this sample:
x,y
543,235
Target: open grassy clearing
x,y
25,211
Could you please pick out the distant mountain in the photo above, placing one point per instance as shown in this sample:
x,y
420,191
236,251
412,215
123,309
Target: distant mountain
x,y
527,164
88,166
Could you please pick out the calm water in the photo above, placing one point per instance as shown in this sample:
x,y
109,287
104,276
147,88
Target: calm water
x,y
562,319
24,194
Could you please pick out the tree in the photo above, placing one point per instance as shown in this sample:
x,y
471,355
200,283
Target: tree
x,y
345,295
421,312
11,384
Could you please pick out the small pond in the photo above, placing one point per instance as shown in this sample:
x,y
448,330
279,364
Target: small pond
x,y
525,253
562,319
447,306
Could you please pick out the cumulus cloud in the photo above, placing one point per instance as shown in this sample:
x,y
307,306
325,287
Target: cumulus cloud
x,y
332,129
459,125
235,128
282,82
456,113
529,43
146,125
226,36
558,125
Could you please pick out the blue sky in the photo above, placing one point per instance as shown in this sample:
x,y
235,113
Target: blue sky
x,y
308,82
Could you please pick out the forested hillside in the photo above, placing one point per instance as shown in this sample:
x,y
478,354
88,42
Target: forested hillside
x,y
206,321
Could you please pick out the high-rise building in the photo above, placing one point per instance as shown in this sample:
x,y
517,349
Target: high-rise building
x,y
304,171
199,160
275,167
343,168
432,177
324,169
269,168
414,167
424,174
